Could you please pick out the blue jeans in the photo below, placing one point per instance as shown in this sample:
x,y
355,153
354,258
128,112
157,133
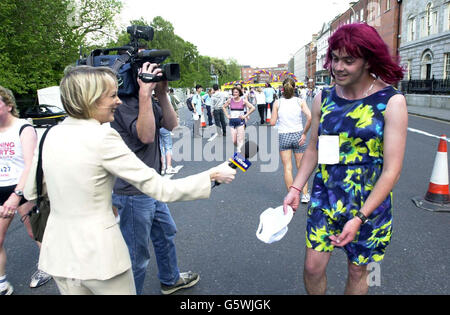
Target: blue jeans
x,y
143,219
165,143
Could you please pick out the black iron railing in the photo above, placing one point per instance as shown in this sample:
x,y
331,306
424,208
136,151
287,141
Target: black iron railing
x,y
433,87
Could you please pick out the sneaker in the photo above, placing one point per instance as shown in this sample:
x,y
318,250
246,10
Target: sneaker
x,y
186,280
39,278
305,198
9,289
171,170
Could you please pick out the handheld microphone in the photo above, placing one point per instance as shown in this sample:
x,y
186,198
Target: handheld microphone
x,y
241,161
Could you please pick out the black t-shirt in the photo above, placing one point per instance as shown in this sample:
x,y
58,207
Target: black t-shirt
x,y
125,119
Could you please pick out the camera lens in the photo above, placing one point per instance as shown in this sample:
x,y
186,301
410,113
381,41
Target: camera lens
x,y
171,71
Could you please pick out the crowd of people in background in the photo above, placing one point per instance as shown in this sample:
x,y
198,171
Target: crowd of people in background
x,y
262,98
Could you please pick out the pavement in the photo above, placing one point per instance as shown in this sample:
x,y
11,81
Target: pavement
x,y
430,112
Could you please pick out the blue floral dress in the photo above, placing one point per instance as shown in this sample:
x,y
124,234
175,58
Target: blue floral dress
x,y
340,190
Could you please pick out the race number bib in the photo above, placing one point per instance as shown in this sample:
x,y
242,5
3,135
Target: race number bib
x,y
328,150
6,172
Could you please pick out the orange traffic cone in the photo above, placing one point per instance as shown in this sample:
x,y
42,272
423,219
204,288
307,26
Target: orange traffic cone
x,y
203,122
269,114
438,190
437,197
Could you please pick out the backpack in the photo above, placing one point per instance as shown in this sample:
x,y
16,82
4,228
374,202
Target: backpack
x,y
189,104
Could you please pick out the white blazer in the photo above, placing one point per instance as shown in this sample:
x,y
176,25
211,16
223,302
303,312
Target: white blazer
x,y
81,159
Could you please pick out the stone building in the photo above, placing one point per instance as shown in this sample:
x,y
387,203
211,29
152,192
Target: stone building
x,y
425,39
300,64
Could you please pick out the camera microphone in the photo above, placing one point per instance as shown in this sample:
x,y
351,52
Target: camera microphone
x,y
241,161
155,56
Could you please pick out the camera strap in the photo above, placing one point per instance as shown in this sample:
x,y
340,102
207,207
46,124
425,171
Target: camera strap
x,y
119,62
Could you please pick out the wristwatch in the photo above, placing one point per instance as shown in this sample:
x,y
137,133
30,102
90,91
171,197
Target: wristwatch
x,y
362,217
19,193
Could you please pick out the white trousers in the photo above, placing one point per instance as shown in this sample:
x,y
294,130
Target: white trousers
x,y
122,284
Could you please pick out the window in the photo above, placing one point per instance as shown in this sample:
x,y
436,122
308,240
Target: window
x,y
361,15
428,20
370,11
388,5
411,29
409,70
434,23
447,66
447,26
373,9
422,31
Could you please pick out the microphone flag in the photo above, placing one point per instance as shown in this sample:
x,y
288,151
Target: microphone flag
x,y
241,162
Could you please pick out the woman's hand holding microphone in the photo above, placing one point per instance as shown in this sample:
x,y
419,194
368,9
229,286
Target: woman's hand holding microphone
x,y
222,173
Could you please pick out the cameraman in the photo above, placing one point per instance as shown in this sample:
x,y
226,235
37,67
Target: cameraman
x,y
142,218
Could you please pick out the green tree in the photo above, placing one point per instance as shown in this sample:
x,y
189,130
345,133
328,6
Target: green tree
x,y
38,39
32,43
92,21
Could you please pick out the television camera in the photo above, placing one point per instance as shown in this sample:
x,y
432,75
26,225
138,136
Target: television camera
x,y
128,59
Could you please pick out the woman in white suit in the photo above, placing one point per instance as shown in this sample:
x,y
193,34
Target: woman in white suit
x,y
83,248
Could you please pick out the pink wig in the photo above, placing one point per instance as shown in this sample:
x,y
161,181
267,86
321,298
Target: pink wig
x,y
360,40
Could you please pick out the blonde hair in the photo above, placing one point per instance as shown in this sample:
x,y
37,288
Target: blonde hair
x,y
9,100
288,88
81,88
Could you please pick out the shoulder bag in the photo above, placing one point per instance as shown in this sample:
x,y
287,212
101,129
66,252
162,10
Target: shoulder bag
x,y
40,212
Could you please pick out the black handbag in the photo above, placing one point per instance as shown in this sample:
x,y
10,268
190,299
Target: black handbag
x,y
40,212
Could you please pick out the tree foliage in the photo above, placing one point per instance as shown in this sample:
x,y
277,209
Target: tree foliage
x,y
38,39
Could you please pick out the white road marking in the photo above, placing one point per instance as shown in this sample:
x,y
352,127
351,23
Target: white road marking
x,y
427,134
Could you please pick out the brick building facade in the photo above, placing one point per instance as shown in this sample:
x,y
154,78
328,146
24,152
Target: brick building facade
x,y
311,55
383,15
